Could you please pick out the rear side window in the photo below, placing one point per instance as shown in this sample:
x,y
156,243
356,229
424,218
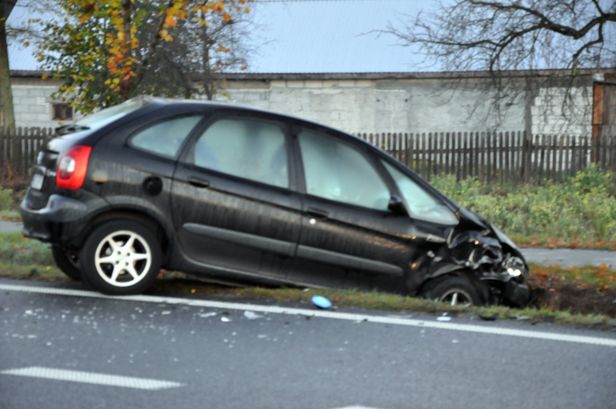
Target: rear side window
x,y
165,138
337,171
247,148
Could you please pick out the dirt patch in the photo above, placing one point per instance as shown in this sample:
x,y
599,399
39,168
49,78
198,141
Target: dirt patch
x,y
573,298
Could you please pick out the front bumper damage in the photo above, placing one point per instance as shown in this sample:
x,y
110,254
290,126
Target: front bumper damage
x,y
495,265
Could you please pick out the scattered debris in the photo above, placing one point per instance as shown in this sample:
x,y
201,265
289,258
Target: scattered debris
x,y
252,315
443,317
454,341
491,317
207,314
166,312
225,319
321,302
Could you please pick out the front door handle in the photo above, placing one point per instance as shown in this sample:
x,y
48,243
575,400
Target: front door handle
x,y
198,182
318,213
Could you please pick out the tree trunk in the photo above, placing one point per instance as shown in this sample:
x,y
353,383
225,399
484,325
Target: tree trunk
x,y
7,116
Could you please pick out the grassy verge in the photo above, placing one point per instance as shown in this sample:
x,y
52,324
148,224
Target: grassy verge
x,y
580,296
10,216
9,204
579,212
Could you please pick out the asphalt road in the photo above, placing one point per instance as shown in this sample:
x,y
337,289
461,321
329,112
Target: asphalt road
x,y
75,351
564,257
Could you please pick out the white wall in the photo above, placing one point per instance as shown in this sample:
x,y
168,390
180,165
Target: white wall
x,y
32,102
400,105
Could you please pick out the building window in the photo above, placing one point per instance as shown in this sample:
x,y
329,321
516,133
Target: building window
x,y
61,111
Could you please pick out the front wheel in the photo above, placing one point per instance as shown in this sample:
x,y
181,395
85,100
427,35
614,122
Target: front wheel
x,y
121,257
453,290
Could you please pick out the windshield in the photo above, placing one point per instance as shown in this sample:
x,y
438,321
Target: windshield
x,y
108,115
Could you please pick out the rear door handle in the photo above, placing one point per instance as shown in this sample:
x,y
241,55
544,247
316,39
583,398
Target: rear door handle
x,y
318,213
198,182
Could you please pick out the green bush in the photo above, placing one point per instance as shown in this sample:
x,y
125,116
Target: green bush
x,y
582,208
18,250
6,199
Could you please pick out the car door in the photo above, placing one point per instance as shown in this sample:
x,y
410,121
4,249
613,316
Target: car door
x,y
349,237
233,206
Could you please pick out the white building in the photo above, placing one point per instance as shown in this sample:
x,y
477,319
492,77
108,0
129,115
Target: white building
x,y
380,102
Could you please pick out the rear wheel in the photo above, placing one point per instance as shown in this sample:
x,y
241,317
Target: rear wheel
x,y
121,257
454,290
67,261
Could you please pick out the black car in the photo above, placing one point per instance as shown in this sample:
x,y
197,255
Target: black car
x,y
253,196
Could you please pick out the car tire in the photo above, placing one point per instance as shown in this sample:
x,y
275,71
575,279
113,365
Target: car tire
x,y
67,261
121,257
455,290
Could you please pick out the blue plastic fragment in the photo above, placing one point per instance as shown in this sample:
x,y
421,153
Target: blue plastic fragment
x,y
321,302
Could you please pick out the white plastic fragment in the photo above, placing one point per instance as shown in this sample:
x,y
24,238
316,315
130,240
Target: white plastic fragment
x,y
251,315
225,319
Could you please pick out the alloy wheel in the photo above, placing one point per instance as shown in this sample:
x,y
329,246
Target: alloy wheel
x,y
123,258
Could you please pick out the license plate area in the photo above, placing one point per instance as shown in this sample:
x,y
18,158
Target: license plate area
x,y
37,181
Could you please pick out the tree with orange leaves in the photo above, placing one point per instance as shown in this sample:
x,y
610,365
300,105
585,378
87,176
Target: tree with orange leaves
x,y
104,50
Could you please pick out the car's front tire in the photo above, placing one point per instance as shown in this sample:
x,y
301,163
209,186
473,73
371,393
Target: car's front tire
x,y
67,261
452,289
121,257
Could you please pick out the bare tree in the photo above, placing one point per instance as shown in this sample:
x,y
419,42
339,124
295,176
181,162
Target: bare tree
x,y
203,48
503,35
516,34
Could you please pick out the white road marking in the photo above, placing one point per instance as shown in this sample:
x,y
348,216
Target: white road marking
x,y
356,407
91,378
272,309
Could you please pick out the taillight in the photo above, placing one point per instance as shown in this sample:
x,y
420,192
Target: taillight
x,y
72,167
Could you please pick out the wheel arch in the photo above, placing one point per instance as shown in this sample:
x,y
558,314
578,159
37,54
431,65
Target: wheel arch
x,y
163,229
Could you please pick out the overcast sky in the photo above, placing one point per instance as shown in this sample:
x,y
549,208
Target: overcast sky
x,y
311,36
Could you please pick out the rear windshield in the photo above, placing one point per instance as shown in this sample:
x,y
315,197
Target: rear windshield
x,y
108,115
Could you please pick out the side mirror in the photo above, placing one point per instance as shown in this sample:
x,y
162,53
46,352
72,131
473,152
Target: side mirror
x,y
396,205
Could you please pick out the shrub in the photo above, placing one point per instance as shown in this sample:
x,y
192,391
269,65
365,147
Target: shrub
x,y
6,199
582,208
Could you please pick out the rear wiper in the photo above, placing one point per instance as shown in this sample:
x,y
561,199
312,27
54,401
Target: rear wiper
x,y
70,128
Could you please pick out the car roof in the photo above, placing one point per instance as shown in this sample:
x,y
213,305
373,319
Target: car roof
x,y
238,107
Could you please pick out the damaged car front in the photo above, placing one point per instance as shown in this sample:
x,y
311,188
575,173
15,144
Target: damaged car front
x,y
486,256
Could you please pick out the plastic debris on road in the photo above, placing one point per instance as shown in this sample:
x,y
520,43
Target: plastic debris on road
x,y
207,314
444,318
321,302
225,319
252,315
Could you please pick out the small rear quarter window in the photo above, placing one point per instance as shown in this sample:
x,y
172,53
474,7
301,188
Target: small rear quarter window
x,y
166,137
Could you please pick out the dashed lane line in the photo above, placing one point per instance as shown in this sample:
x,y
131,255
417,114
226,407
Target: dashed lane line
x,y
91,378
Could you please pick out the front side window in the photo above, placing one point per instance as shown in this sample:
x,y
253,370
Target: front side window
x,y
337,171
247,148
165,138
422,204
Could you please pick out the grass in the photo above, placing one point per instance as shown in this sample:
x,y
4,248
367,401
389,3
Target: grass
x,y
9,204
178,284
579,296
579,212
391,302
